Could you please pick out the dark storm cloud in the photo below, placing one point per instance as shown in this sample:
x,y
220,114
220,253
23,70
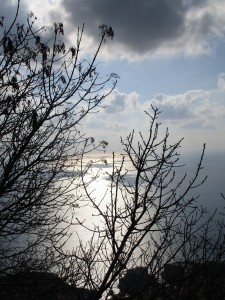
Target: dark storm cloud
x,y
144,26
139,25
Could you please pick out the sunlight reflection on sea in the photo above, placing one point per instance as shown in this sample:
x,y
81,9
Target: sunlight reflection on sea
x,y
86,216
99,189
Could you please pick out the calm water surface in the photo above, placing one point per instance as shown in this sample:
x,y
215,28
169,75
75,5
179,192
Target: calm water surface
x,y
209,193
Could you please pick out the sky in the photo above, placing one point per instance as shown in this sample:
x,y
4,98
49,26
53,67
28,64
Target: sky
x,y
167,53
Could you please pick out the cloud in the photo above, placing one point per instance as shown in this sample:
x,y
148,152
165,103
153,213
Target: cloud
x,y
193,109
8,11
106,124
198,115
221,81
161,27
180,106
118,102
143,29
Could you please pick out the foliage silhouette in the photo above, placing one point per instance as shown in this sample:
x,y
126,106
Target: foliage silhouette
x,y
46,91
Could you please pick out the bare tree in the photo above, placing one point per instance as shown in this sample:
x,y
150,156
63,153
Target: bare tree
x,y
148,217
46,90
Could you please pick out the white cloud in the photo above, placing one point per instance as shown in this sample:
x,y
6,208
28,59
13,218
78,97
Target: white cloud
x,y
193,109
197,112
118,102
196,115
